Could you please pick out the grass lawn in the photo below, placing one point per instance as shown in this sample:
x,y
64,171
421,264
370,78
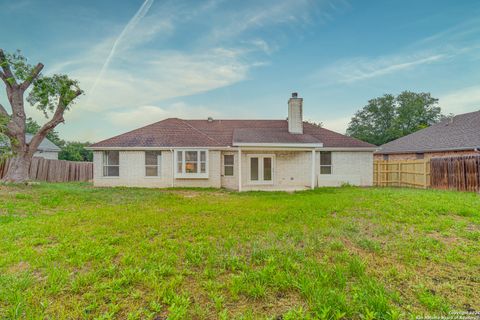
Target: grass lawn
x,y
74,251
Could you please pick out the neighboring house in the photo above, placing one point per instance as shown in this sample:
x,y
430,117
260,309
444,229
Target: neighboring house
x,y
274,155
46,149
454,136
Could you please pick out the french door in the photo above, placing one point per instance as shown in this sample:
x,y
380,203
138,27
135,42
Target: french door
x,y
260,169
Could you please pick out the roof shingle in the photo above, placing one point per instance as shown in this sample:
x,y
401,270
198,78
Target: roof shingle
x,y
458,133
174,132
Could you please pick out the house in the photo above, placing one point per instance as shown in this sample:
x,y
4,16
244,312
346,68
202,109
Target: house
x,y
47,149
454,136
235,154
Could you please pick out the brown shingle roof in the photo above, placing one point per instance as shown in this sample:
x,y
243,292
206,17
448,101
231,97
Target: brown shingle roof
x,y
458,133
175,132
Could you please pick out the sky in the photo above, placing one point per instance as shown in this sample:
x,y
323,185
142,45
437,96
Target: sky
x,y
141,61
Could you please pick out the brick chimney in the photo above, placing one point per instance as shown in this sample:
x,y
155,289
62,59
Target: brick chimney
x,y
295,114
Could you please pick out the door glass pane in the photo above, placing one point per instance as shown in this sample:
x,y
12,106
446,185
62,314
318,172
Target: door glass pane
x,y
267,169
254,169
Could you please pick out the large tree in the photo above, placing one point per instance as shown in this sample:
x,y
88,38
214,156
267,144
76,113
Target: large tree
x,y
390,117
52,95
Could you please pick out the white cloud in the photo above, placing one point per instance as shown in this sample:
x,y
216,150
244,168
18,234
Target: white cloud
x,y
140,116
357,69
461,101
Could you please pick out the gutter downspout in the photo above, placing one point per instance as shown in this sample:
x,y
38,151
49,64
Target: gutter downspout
x,y
173,167
313,170
239,170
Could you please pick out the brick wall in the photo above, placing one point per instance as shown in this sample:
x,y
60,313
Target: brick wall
x,y
292,170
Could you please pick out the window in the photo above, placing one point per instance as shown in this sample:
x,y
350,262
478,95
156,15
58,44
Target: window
x,y
228,165
325,162
192,164
111,161
419,156
153,160
261,169
385,157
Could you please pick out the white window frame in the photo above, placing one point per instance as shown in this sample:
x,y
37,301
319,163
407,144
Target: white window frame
x,y
228,165
105,164
326,165
187,175
260,169
158,166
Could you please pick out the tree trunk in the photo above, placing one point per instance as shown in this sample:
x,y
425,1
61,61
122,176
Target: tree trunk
x,y
18,170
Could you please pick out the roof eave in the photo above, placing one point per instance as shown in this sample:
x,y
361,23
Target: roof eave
x,y
427,151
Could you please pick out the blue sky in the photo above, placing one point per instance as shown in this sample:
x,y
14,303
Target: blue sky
x,y
142,61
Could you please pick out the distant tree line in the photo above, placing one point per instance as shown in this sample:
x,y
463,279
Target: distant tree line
x,y
390,117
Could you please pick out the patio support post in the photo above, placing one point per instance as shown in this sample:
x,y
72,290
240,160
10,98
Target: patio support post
x,y
313,170
239,170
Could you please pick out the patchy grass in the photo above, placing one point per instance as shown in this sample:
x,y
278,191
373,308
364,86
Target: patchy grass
x,y
74,251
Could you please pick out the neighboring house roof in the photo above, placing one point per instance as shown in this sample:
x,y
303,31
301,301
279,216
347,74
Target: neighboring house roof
x,y
461,132
174,132
45,146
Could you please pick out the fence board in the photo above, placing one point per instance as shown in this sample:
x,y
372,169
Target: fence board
x,y
405,173
54,170
456,173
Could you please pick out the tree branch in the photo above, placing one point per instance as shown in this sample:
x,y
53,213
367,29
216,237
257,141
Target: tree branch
x,y
7,72
35,72
56,119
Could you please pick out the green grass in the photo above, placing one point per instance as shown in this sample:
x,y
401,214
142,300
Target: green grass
x,y
74,251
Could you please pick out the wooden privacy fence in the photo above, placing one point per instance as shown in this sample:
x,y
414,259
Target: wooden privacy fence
x,y
55,170
403,173
458,173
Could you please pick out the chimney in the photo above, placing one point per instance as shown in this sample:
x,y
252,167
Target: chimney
x,y
295,114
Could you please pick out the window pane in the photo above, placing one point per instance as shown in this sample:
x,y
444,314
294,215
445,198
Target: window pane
x,y
151,171
179,167
203,167
203,156
191,167
254,169
228,159
229,170
113,171
151,158
326,170
112,157
267,169
325,158
191,155
179,156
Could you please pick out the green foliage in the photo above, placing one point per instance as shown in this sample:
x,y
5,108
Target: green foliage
x,y
75,151
19,65
47,92
32,127
388,117
78,252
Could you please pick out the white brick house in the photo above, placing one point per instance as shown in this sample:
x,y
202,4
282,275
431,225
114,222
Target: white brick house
x,y
235,154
